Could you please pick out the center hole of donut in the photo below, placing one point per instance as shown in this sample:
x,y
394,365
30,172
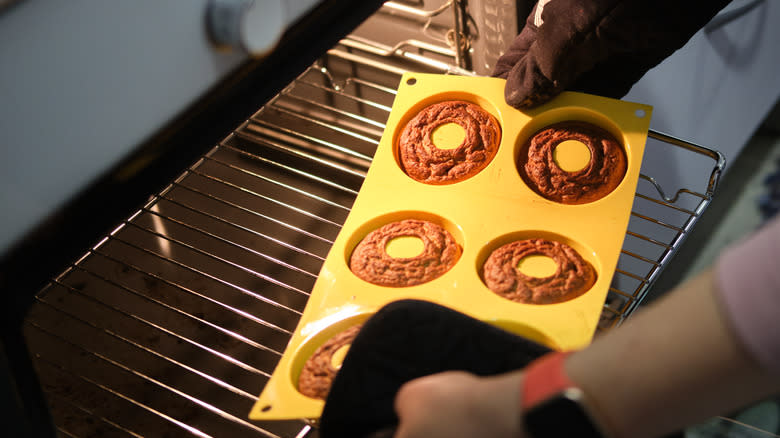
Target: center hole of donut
x,y
537,265
571,155
338,357
448,136
402,247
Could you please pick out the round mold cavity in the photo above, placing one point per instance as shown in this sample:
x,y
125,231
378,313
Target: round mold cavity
x,y
571,155
316,340
540,263
525,331
403,246
446,136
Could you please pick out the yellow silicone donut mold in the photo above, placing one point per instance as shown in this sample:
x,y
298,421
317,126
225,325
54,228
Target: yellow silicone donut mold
x,y
587,254
378,222
567,114
483,103
491,207
362,231
317,339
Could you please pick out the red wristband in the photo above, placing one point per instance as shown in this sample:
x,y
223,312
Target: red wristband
x,y
544,377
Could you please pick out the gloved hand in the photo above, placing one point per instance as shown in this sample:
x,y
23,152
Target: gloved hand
x,y
409,339
600,47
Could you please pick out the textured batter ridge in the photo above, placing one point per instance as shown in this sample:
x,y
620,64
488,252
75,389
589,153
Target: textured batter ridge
x,y
426,163
318,372
598,178
371,262
573,277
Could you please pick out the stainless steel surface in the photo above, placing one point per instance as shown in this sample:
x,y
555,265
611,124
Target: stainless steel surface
x,y
84,82
7,4
253,27
730,14
172,324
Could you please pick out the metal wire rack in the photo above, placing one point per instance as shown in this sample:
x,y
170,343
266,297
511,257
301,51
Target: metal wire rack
x,y
172,324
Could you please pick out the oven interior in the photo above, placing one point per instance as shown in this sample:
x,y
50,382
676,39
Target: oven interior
x,y
172,323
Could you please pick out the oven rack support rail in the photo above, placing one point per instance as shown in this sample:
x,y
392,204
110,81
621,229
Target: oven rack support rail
x,y
173,322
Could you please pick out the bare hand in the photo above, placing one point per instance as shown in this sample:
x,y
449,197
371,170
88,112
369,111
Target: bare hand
x,y
458,404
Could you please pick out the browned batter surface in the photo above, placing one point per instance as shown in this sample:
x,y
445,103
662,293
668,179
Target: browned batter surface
x,y
598,178
573,277
371,262
424,162
318,372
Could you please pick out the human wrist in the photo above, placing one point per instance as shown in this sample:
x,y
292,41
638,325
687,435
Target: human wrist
x,y
500,396
553,404
579,367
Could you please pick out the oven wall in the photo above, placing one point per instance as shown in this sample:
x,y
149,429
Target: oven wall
x,y
82,83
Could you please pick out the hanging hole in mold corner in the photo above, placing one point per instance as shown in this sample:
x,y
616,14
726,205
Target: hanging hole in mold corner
x,y
411,81
640,113
266,408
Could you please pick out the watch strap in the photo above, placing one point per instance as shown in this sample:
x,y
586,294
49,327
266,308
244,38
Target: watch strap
x,y
545,377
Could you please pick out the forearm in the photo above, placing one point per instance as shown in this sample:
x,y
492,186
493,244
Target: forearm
x,y
673,364
710,346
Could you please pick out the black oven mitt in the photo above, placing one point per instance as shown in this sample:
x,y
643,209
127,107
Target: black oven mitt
x,y
600,47
405,340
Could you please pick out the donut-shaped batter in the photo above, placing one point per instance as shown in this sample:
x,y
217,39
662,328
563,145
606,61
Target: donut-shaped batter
x,y
572,278
371,262
602,174
318,372
425,162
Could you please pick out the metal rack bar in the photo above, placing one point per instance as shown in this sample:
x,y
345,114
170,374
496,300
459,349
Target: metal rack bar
x,y
234,244
258,214
356,117
251,137
183,338
314,140
65,432
99,417
242,228
138,346
160,384
267,198
222,260
417,11
290,169
182,425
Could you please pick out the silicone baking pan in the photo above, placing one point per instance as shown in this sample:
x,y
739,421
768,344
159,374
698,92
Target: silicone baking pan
x,y
489,209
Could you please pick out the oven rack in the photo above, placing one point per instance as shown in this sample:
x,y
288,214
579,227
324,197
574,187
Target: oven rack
x,y
172,323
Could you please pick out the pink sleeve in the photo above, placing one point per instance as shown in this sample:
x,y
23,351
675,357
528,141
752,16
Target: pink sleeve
x,y
748,279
